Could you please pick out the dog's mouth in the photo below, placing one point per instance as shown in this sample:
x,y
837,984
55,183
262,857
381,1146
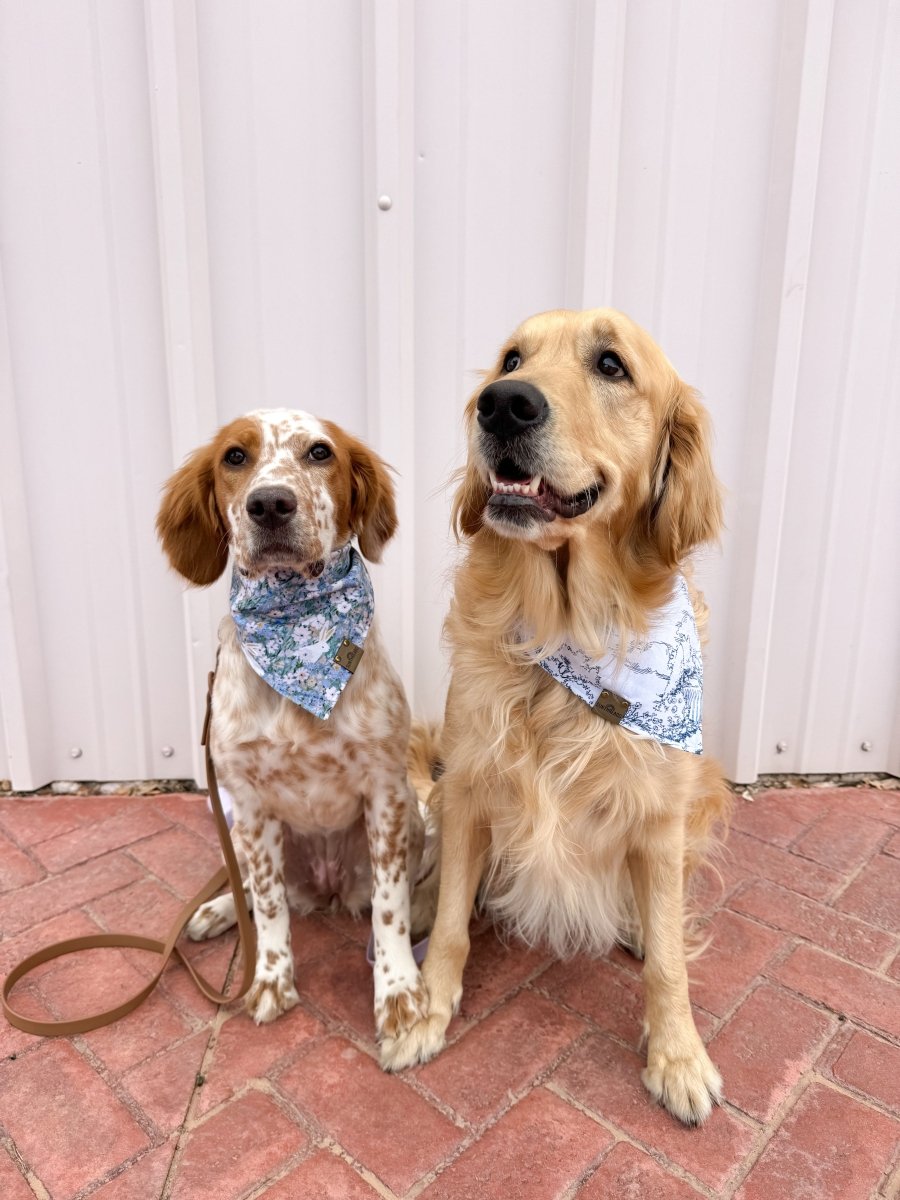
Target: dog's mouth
x,y
282,556
519,496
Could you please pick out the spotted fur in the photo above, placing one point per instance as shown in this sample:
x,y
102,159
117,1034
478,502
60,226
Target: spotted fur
x,y
338,788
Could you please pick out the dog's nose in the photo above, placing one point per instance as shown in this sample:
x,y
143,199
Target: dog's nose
x,y
511,406
270,507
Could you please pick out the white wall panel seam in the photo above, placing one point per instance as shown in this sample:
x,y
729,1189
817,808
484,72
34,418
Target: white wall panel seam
x,y
28,734
389,149
137,650
793,251
596,151
658,323
173,72
876,563
817,661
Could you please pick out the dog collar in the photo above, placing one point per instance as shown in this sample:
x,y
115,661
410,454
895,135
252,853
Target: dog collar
x,y
305,637
656,690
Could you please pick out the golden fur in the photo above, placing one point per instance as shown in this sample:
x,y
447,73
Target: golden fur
x,y
577,832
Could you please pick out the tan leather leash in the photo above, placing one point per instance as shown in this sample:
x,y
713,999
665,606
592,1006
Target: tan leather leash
x,y
229,874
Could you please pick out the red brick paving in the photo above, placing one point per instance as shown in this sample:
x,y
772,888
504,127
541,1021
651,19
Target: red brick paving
x,y
538,1095
629,1174
539,1148
771,1040
830,1147
324,1177
872,1066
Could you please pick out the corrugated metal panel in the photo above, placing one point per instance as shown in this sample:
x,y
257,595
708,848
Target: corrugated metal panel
x,y
189,228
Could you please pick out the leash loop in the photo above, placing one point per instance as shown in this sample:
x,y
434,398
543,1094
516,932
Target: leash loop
x,y
229,874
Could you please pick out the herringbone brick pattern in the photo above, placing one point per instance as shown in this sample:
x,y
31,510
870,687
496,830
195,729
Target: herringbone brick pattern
x,y
538,1094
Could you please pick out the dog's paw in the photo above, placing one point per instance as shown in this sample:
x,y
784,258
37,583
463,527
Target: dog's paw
x,y
212,918
423,1039
270,996
400,1008
687,1084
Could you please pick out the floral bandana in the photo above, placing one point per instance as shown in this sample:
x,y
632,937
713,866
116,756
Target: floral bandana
x,y
305,637
657,691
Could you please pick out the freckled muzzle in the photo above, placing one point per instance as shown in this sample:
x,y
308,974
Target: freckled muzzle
x,y
279,535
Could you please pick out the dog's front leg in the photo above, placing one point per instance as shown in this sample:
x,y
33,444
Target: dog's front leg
x,y
679,1072
400,995
463,845
273,992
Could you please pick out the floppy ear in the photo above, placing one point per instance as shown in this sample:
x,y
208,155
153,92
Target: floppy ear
x,y
687,506
189,526
373,513
468,503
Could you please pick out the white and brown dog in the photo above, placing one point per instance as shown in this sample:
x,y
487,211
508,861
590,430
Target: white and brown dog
x,y
304,744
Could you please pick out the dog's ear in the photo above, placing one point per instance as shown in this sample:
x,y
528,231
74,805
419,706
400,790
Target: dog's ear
x,y
686,505
373,511
189,525
468,503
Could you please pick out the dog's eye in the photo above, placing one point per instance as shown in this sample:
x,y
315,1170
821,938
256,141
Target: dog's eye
x,y
512,362
610,364
320,452
235,456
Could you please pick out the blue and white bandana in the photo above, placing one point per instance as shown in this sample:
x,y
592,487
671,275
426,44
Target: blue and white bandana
x,y
305,637
657,690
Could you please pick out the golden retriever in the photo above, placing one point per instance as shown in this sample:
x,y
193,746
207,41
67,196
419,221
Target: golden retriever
x,y
588,483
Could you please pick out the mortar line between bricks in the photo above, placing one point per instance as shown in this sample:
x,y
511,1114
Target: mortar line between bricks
x,y
812,1076
150,877
28,852
474,1133
620,1135
148,872
24,1170
882,968
837,1085
340,1152
333,1147
124,848
868,925
574,1188
889,1184
90,1189
514,1097
839,959
263,1087
185,1126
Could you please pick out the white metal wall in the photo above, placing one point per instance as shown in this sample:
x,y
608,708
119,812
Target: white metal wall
x,y
190,227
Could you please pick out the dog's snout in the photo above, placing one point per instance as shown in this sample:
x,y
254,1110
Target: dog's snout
x,y
511,406
270,507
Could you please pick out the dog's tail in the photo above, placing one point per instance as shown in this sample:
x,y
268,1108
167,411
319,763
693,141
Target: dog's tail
x,y
423,760
424,766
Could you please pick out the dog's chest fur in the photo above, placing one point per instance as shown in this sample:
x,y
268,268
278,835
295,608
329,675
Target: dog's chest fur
x,y
315,775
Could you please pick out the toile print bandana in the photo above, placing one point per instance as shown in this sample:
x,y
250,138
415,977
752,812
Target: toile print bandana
x,y
657,691
296,632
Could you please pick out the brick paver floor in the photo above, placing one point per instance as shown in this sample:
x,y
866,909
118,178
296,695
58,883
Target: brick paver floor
x,y
538,1094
